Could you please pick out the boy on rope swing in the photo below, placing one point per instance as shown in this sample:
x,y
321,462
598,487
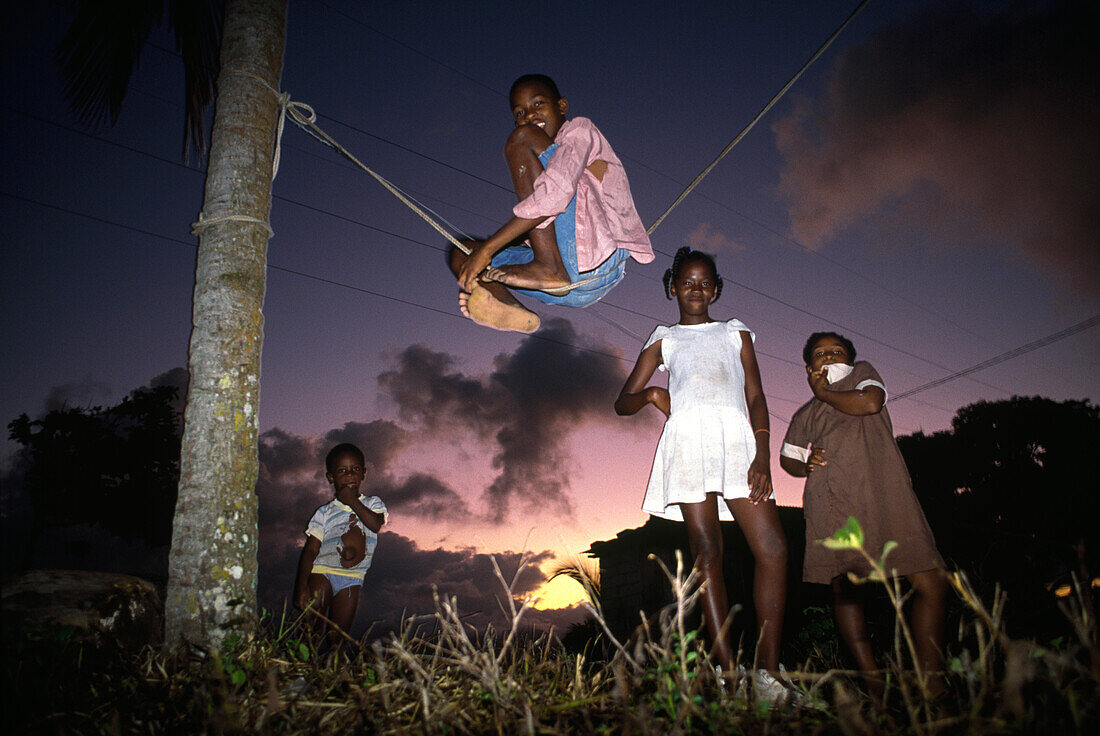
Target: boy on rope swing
x,y
564,172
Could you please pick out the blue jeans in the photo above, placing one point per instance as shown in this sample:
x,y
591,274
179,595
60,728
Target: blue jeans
x,y
606,275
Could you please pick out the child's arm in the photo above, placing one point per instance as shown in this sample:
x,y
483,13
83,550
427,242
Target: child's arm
x,y
800,469
305,565
371,519
760,472
857,402
635,395
482,252
578,151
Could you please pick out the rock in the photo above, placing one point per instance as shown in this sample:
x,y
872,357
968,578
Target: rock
x,y
99,606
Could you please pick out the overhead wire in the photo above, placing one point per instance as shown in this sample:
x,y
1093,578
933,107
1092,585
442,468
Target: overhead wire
x,y
1008,355
193,245
758,223
965,372
441,248
727,149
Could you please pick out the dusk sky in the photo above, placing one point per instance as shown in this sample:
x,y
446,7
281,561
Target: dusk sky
x,y
929,188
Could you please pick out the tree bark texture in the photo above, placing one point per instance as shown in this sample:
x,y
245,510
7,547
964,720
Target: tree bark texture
x,y
212,564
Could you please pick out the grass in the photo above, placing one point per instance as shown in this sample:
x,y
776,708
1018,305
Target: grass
x,y
439,676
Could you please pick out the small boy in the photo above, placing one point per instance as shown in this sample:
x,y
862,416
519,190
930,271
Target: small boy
x,y
564,172
340,541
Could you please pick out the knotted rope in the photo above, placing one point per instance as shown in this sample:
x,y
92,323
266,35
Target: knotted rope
x,y
304,116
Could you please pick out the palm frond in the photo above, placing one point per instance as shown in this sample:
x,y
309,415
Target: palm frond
x,y
102,48
587,576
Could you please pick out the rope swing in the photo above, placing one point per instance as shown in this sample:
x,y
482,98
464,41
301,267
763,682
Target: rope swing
x,y
305,117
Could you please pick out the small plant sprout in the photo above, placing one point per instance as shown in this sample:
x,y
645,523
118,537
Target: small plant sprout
x,y
851,537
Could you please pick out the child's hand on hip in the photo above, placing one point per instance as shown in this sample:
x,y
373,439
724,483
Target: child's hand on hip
x,y
660,398
816,459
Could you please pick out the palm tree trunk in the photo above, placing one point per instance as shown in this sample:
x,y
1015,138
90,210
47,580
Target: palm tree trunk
x,y
212,564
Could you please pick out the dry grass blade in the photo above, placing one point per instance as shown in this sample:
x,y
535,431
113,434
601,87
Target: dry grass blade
x,y
437,674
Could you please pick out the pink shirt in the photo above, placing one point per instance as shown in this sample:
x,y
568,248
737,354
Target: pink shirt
x,y
606,218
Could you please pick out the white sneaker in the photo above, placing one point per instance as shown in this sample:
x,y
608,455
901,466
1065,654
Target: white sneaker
x,y
742,678
768,689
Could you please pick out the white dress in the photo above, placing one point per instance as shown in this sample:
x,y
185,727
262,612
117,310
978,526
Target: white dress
x,y
707,443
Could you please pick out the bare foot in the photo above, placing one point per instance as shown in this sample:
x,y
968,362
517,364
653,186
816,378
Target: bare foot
x,y
485,309
534,276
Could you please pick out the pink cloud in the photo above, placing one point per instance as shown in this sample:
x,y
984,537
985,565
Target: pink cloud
x,y
707,239
952,127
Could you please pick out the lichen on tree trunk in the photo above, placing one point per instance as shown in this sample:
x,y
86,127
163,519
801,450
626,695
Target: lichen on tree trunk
x,y
212,564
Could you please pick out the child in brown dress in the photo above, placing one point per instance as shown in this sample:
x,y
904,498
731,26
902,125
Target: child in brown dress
x,y
843,443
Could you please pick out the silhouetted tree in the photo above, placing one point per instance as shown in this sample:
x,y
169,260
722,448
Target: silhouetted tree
x,y
117,467
1010,491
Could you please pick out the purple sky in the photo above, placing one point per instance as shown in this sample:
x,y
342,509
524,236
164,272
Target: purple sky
x,y
929,188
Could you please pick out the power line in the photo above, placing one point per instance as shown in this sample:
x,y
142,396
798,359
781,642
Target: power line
x,y
312,277
406,46
199,172
1009,355
320,279
764,226
745,286
722,205
192,169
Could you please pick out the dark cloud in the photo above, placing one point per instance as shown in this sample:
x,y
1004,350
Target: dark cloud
x,y
526,407
177,378
292,474
405,578
420,495
952,127
84,393
428,392
379,440
290,486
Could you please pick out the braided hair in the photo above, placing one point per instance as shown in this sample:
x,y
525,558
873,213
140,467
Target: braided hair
x,y
687,255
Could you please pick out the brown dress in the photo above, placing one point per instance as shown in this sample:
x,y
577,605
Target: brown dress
x,y
866,478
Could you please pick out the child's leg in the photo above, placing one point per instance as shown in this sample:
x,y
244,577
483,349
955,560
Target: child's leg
x,y
764,533
320,591
705,538
345,604
852,624
546,271
927,620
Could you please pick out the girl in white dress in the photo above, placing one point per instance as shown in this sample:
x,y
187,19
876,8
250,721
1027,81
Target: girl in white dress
x,y
713,459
